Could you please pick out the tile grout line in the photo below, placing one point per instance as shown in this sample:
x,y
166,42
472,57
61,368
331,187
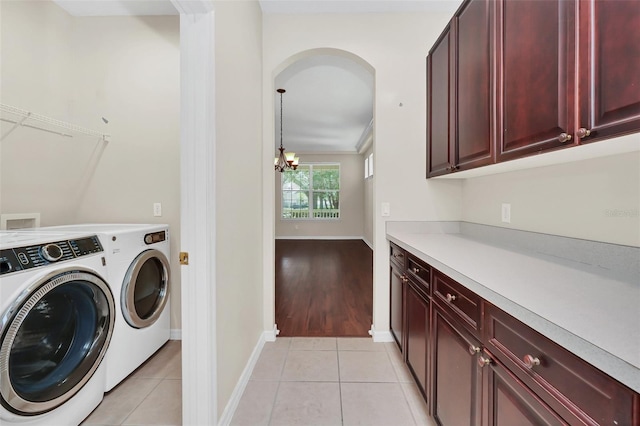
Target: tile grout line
x,y
141,402
339,384
275,395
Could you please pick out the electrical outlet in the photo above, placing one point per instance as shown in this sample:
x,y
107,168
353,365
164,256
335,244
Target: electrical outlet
x,y
157,209
506,213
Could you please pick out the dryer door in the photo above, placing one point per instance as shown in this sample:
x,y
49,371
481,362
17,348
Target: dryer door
x,y
54,337
145,290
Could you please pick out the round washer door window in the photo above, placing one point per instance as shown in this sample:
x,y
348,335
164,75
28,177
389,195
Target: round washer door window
x,y
145,290
53,339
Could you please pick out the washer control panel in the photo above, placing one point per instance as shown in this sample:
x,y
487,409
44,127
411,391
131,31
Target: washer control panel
x,y
20,258
155,237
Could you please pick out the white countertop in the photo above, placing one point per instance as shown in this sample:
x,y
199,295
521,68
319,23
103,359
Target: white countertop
x,y
585,308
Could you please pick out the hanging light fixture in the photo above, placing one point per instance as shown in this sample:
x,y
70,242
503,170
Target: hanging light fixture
x,y
286,160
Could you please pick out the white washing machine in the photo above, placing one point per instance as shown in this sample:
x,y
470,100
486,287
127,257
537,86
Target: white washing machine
x,y
58,317
139,276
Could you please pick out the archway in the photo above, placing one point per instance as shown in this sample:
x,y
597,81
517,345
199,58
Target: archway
x,y
329,102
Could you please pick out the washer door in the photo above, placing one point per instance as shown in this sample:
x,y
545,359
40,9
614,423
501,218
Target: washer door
x,y
145,290
54,337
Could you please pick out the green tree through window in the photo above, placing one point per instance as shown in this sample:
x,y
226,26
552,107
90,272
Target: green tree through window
x,y
311,192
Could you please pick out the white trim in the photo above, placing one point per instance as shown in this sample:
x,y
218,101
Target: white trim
x,y
270,336
236,395
381,336
367,242
197,213
175,334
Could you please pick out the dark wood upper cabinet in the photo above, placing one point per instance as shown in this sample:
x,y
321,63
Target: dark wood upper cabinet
x,y
460,93
609,69
473,95
509,79
536,75
440,112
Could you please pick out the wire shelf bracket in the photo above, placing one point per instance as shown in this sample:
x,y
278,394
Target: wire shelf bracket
x,y
23,118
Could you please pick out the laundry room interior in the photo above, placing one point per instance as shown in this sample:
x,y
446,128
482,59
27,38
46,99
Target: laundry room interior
x,y
169,119
116,75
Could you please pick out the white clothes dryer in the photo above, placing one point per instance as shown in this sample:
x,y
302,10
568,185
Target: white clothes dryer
x,y
138,272
57,320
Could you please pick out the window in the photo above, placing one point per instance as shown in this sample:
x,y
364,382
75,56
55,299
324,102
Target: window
x,y
311,192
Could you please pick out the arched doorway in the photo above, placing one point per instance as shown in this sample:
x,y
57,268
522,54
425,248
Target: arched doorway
x,y
323,278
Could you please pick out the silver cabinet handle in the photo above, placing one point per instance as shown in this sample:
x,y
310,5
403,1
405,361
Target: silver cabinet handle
x,y
530,361
473,349
583,133
450,297
482,361
564,137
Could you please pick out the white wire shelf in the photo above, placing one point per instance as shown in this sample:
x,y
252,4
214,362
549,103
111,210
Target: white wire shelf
x,y
20,117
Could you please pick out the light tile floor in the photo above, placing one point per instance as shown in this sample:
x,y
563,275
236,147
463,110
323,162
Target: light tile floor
x,y
297,381
151,395
331,381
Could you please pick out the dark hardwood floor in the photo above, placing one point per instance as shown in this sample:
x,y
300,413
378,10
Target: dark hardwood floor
x,y
324,287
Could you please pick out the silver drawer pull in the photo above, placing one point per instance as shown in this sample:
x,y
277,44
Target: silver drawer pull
x,y
473,350
531,361
482,361
450,297
416,270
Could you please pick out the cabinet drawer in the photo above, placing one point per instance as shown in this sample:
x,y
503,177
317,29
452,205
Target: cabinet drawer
x,y
456,298
556,375
397,255
419,271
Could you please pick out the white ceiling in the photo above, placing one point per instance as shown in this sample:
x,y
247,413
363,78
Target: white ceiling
x,y
328,106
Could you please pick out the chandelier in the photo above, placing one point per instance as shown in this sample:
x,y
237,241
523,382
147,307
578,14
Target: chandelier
x,y
286,160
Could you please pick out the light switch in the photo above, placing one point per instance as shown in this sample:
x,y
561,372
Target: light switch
x,y
157,209
386,209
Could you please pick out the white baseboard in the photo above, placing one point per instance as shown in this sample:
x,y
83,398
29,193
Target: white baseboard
x,y
381,336
176,334
367,242
270,336
316,237
236,395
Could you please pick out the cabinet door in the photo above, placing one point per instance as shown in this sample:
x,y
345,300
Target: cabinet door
x,y
536,57
440,114
509,402
396,311
609,68
473,137
456,395
417,334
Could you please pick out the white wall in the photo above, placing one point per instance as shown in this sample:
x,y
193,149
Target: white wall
x,y
350,224
125,69
597,199
238,56
395,45
36,166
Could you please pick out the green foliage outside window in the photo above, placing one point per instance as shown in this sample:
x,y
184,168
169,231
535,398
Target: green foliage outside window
x,y
311,192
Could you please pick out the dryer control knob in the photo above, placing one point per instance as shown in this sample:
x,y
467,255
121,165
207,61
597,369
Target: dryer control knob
x,y
51,252
148,239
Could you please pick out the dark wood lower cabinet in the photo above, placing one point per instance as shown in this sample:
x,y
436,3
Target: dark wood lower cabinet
x,y
477,365
507,401
457,383
396,296
417,304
